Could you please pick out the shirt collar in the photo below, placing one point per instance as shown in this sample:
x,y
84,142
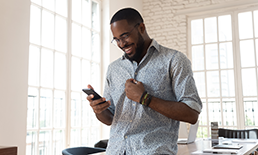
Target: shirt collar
x,y
153,44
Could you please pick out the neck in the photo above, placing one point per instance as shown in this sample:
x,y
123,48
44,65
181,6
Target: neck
x,y
146,46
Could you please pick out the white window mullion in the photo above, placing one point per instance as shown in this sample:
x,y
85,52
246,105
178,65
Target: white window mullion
x,y
255,53
68,74
238,77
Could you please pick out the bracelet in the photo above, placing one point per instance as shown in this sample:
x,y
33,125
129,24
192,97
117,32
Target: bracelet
x,y
143,94
144,99
148,101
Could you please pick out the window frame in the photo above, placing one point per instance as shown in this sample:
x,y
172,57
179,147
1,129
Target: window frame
x,y
67,90
215,12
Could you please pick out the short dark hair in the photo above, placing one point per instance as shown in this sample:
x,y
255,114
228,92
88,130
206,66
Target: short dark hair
x,y
131,15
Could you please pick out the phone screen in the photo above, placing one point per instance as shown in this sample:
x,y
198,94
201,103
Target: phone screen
x,y
91,91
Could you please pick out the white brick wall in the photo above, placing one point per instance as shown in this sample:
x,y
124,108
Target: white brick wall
x,y
165,26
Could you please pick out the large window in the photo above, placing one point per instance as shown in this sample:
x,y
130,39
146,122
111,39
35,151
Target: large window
x,y
224,54
64,57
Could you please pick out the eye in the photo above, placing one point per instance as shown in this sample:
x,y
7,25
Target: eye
x,y
125,36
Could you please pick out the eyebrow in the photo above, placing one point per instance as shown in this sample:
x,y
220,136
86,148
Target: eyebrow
x,y
121,35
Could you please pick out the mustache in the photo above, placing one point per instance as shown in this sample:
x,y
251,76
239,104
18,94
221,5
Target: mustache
x,y
126,46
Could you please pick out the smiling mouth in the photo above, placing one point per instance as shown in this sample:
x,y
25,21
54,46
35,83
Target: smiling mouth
x,y
128,49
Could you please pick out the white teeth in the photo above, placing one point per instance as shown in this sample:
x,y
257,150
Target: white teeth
x,y
127,49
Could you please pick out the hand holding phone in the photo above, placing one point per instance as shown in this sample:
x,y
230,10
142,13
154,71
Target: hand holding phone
x,y
91,91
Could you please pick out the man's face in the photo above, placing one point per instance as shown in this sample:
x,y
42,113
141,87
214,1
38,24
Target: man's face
x,y
133,42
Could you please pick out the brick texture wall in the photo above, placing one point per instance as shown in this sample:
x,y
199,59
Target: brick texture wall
x,y
165,26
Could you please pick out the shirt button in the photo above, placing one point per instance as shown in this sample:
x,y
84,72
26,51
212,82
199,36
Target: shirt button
x,y
135,73
134,104
130,120
125,137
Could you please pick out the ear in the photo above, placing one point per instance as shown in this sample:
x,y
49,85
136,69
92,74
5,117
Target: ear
x,y
142,28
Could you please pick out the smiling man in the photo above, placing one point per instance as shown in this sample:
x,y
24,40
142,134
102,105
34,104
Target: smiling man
x,y
147,92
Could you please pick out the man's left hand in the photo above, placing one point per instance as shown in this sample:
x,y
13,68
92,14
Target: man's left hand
x,y
134,89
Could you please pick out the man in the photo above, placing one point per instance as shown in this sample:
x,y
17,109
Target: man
x,y
147,92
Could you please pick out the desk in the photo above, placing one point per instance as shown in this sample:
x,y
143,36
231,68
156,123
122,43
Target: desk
x,y
8,150
249,145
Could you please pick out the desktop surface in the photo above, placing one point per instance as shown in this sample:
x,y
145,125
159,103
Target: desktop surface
x,y
249,145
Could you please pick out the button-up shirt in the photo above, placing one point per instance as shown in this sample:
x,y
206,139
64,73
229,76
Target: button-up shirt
x,y
138,129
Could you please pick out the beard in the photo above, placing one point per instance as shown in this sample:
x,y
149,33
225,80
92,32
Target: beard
x,y
138,51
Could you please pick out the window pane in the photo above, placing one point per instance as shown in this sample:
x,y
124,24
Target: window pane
x,y
31,143
33,78
36,1
44,143
75,110
227,83
76,74
86,13
256,23
249,82
197,31
203,115
61,7
47,29
197,58
229,112
85,73
202,132
76,10
214,111
210,29
46,68
60,34
75,138
95,47
95,16
247,53
60,70
256,44
59,109
45,108
58,141
95,76
225,29
213,84
49,4
199,78
35,19
212,56
86,43
76,39
226,55
32,112
245,25
85,137
87,113
251,111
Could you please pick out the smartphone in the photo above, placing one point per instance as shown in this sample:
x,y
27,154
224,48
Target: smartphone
x,y
91,91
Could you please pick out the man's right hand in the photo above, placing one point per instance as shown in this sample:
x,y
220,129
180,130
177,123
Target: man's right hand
x,y
97,108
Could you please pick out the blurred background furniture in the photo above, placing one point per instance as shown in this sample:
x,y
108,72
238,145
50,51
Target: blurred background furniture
x,y
8,150
82,150
241,134
102,144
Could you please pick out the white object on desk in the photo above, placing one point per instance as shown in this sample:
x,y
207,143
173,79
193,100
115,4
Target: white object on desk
x,y
221,151
191,135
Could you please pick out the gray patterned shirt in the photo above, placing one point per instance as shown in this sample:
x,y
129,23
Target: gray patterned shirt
x,y
137,129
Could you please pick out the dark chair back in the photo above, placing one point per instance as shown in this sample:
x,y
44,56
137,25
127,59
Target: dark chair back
x,y
82,150
242,134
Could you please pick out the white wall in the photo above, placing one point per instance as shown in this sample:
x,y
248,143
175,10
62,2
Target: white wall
x,y
14,47
165,25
